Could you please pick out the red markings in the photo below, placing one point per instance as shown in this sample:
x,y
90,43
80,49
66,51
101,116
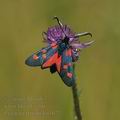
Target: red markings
x,y
54,47
68,52
44,56
65,66
69,64
69,75
50,61
35,57
53,44
43,51
53,59
58,64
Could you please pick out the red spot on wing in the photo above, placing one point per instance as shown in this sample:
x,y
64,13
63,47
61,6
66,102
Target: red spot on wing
x,y
44,56
68,52
43,51
58,64
69,75
53,44
50,61
65,66
54,47
69,64
35,57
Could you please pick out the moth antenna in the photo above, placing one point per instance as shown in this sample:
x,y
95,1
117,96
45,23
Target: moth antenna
x,y
83,34
55,17
60,24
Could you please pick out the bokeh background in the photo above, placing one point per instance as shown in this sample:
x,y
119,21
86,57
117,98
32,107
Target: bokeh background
x,y
98,70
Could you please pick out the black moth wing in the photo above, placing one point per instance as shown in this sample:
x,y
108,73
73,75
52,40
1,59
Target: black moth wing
x,y
40,57
67,71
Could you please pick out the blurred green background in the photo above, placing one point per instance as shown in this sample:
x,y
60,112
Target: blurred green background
x,y
98,77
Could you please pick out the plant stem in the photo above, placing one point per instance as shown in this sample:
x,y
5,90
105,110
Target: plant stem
x,y
78,115
76,102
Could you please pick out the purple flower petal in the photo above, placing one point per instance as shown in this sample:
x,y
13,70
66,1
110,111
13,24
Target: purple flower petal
x,y
55,33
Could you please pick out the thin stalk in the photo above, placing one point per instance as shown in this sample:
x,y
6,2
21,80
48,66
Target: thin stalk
x,y
78,115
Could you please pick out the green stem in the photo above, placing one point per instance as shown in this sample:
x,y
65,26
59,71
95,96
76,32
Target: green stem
x,y
78,115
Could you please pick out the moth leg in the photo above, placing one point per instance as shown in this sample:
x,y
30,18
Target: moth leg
x,y
83,34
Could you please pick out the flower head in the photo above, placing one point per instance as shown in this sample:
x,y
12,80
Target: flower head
x,y
56,34
60,33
